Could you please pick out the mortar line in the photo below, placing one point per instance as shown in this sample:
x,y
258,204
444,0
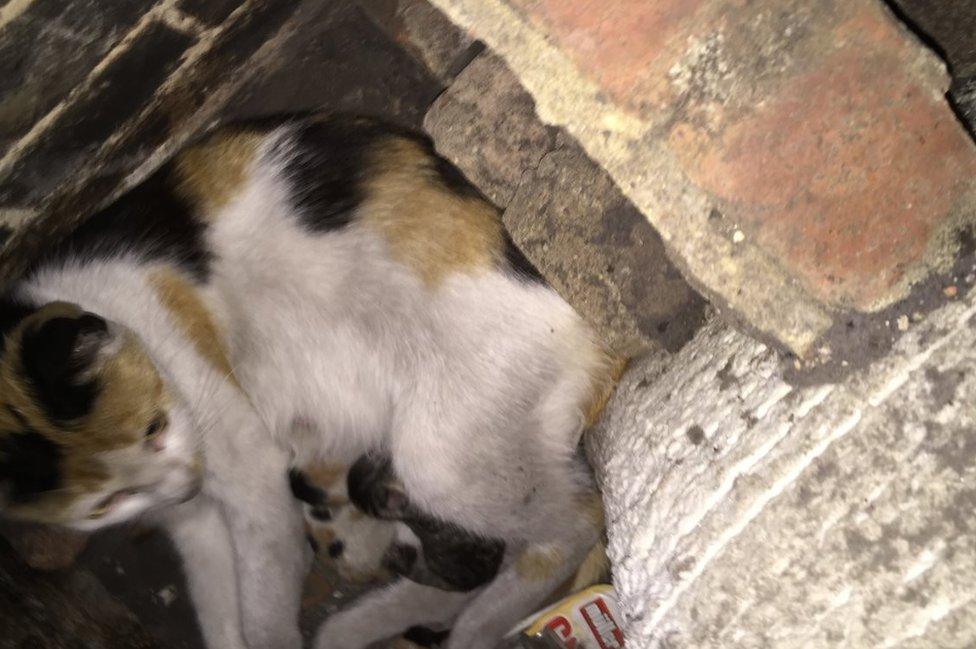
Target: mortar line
x,y
14,153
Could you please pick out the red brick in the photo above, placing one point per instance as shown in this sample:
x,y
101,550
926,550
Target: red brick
x,y
846,174
813,125
615,42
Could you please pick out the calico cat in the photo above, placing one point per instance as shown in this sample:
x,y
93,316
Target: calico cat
x,y
288,291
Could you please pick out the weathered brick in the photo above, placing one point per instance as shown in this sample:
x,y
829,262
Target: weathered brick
x,y
426,33
601,254
48,49
486,124
798,158
57,610
564,211
120,89
44,547
339,60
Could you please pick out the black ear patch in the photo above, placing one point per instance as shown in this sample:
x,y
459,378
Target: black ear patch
x,y
29,465
54,355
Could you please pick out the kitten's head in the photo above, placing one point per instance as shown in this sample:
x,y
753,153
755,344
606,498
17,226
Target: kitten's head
x,y
89,433
346,540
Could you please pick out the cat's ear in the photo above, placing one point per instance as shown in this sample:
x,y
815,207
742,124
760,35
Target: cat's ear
x,y
59,357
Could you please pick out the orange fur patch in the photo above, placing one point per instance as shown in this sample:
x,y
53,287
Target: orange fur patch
x,y
429,228
603,382
210,173
191,316
538,563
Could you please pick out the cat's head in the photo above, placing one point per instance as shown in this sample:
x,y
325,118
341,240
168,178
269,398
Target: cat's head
x,y
90,435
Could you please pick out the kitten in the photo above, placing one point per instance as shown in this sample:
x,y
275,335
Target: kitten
x,y
368,516
418,547
282,292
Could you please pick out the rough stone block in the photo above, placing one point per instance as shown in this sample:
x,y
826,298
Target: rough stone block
x,y
211,12
44,547
61,611
799,159
426,33
339,60
564,211
486,124
48,49
601,254
121,88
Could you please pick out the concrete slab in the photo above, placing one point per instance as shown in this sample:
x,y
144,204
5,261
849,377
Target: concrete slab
x,y
744,511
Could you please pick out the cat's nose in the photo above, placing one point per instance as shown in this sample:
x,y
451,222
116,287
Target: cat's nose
x,y
336,548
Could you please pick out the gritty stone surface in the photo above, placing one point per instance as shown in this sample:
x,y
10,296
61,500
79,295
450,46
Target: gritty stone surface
x,y
61,611
44,547
122,87
744,511
338,60
817,131
599,252
564,212
485,123
211,12
47,50
424,32
949,25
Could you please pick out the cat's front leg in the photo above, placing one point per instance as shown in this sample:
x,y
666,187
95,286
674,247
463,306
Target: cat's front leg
x,y
272,555
388,612
203,541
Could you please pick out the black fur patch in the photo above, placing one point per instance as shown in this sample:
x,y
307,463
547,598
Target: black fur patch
x,y
328,170
331,166
12,312
151,221
453,558
53,355
304,490
367,485
519,264
29,465
424,637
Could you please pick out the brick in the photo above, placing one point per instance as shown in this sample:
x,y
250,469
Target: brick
x,y
486,124
426,33
211,12
799,159
564,211
601,254
340,60
48,49
123,87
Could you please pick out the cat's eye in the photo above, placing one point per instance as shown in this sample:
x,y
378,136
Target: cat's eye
x,y
100,511
155,427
